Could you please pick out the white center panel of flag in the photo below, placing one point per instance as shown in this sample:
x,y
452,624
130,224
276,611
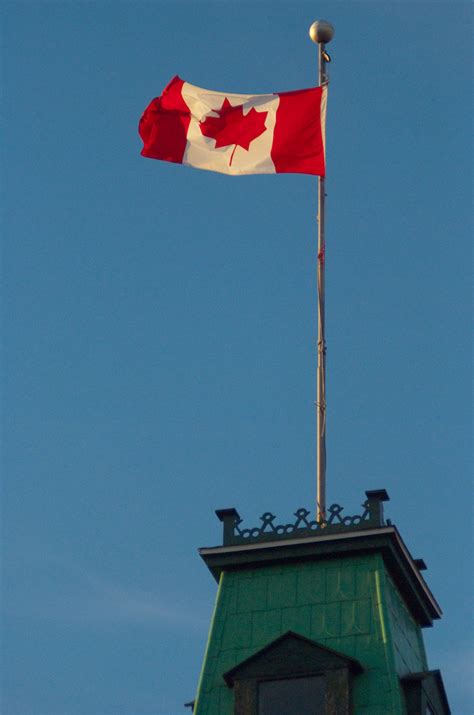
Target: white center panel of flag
x,y
201,150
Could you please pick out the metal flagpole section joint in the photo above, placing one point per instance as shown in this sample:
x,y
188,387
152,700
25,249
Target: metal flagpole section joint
x,y
321,32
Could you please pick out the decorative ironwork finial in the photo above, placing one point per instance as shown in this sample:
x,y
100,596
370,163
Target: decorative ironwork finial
x,y
303,526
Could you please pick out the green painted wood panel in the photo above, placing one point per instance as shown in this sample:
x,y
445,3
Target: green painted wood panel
x,y
410,656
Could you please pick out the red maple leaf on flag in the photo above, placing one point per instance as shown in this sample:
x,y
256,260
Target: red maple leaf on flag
x,y
232,126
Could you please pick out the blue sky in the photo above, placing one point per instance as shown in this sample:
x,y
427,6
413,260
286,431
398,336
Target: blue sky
x,y
159,328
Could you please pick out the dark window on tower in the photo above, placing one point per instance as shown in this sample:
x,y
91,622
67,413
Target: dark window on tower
x,y
304,696
293,675
424,693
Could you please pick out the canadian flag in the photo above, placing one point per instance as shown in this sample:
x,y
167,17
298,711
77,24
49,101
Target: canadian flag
x,y
237,133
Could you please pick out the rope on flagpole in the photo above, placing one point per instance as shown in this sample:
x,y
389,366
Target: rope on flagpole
x,y
321,32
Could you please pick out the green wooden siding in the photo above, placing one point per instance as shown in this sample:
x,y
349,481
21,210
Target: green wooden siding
x,y
348,604
410,656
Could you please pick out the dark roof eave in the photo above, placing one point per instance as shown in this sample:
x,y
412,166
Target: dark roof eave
x,y
386,540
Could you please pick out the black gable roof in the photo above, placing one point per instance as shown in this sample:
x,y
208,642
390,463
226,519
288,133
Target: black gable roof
x,y
291,654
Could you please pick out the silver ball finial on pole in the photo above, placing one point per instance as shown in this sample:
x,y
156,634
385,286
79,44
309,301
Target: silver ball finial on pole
x,y
321,32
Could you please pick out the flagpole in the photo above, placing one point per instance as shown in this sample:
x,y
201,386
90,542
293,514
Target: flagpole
x,y
321,32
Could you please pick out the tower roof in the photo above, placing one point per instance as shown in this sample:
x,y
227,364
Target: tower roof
x,y
338,536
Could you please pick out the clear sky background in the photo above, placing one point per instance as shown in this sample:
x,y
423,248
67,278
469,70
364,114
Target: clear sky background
x,y
159,328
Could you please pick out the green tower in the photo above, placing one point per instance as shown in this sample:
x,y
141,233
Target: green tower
x,y
318,619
